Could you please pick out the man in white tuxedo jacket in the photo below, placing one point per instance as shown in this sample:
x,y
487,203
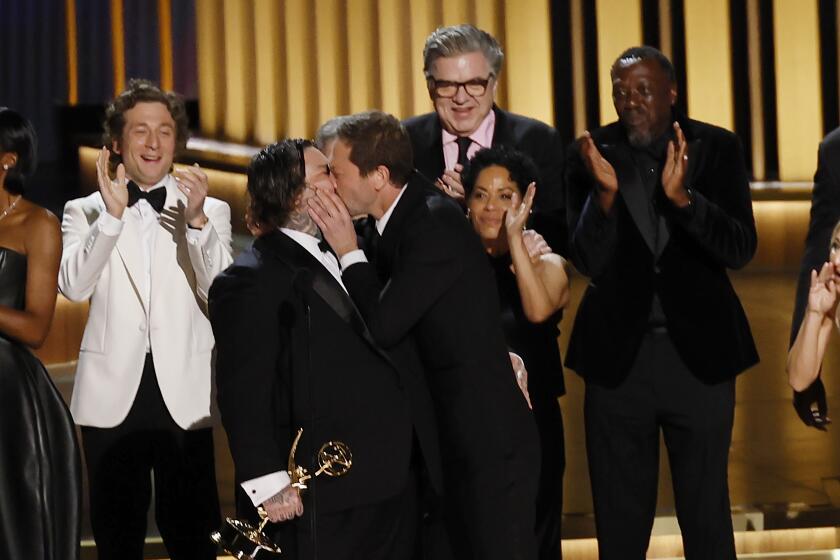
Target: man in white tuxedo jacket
x,y
144,250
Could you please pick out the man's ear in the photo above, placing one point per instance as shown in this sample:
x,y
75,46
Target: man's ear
x,y
672,92
382,175
115,147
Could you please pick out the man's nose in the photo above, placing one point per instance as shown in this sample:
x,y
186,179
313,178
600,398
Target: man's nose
x,y
461,95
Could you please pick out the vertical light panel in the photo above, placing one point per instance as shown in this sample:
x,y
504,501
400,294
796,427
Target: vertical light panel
x,y
395,72
578,67
798,91
490,16
331,59
211,71
666,35
756,97
167,76
302,109
118,46
456,11
270,92
528,48
424,17
619,25
239,69
71,31
362,24
708,57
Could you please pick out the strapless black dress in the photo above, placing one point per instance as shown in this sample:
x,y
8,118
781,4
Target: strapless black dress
x,y
40,469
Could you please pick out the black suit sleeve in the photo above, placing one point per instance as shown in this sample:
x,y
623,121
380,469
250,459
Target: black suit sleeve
x,y
722,223
825,212
429,264
592,233
249,343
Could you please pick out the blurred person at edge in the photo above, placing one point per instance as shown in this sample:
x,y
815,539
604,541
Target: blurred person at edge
x,y
40,490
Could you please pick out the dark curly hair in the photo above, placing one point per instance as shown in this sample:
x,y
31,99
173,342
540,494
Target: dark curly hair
x,y
276,176
143,91
17,135
522,169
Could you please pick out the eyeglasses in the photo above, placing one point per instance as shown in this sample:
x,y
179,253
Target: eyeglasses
x,y
474,88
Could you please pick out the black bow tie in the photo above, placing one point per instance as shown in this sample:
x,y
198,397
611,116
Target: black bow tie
x,y
325,247
155,197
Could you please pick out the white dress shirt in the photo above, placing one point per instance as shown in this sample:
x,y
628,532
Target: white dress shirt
x,y
358,255
149,220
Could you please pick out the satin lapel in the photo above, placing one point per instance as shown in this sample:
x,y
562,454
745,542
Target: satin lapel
x,y
323,283
131,252
501,136
393,229
632,191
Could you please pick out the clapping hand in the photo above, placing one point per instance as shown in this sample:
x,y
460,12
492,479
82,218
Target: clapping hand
x,y
192,181
450,183
602,170
114,193
675,168
518,213
822,295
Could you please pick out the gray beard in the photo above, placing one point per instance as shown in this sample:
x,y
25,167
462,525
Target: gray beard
x,y
639,139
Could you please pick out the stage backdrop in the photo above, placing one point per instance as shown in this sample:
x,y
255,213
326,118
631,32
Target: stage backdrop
x,y
264,69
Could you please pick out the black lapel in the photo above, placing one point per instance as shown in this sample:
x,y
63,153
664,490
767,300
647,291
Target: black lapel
x,y
632,190
501,132
323,283
428,156
412,197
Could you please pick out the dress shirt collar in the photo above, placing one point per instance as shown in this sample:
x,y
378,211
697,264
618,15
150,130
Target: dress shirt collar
x,y
383,221
308,242
483,135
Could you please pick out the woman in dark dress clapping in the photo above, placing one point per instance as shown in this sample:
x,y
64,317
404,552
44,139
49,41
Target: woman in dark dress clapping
x,y
500,185
39,457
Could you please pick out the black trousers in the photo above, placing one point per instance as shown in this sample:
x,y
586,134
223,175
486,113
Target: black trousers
x,y
120,463
549,513
622,442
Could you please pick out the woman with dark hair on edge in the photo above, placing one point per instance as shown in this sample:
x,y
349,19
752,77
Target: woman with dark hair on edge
x,y
500,184
39,457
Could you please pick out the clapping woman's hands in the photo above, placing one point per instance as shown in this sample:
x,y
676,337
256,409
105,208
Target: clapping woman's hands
x,y
518,213
822,296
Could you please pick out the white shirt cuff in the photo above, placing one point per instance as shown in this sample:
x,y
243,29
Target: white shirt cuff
x,y
262,488
198,236
110,225
353,257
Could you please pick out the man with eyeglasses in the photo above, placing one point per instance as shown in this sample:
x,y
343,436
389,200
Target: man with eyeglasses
x,y
462,65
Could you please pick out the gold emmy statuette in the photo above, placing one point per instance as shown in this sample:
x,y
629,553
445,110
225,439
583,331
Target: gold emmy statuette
x,y
242,541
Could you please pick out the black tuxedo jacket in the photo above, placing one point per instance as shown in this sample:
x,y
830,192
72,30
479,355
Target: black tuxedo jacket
x,y
293,352
540,141
441,293
704,317
825,212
